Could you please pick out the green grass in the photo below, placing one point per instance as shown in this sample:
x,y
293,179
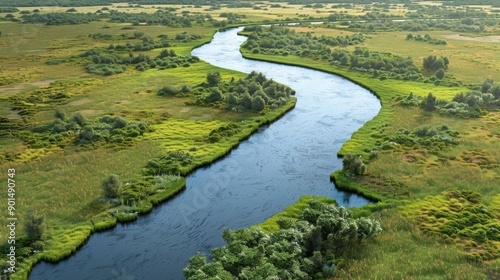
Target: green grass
x,y
64,184
402,251
400,176
293,211
470,62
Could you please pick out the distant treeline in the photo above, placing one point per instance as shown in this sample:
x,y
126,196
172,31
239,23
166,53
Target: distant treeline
x,y
78,3
160,17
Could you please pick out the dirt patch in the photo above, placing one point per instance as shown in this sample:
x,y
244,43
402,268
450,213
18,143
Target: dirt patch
x,y
202,117
91,112
45,83
14,115
16,88
185,109
479,157
79,102
484,39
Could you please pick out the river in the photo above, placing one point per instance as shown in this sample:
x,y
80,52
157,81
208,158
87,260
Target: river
x,y
293,156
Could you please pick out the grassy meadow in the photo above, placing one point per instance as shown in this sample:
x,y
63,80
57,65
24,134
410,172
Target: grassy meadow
x,y
424,194
62,182
417,182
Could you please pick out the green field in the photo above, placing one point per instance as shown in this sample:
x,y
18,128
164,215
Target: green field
x,y
439,204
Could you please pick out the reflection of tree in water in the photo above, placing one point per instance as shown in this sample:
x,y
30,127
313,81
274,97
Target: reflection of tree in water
x,y
346,197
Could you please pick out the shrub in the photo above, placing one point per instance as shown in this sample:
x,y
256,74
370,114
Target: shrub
x,y
112,187
213,78
34,226
353,164
168,91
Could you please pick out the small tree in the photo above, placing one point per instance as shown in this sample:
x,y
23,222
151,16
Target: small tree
x,y
213,78
59,114
34,226
112,187
440,73
353,164
258,103
214,96
430,102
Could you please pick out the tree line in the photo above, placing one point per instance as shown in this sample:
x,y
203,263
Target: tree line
x,y
160,17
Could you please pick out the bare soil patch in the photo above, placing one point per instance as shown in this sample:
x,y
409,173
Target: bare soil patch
x,y
16,88
487,39
79,102
185,109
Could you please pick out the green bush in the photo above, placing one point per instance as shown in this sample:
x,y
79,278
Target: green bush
x,y
112,187
353,165
297,250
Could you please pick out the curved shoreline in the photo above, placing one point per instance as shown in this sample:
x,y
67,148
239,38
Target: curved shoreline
x,y
265,119
341,182
25,268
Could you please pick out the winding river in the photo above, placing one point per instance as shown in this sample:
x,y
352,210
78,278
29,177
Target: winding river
x,y
272,169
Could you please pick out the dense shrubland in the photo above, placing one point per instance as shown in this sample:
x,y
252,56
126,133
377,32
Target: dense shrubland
x,y
279,40
284,41
107,62
471,104
79,130
254,92
431,138
309,247
464,25
159,17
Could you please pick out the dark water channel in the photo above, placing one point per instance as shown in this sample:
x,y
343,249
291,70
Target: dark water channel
x,y
272,169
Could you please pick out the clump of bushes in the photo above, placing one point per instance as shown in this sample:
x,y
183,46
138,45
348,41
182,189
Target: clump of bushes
x,y
426,38
111,130
353,165
108,129
174,162
105,62
433,138
470,104
309,247
254,92
223,132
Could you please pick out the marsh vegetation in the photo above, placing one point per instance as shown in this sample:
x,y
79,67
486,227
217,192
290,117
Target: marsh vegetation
x,y
86,87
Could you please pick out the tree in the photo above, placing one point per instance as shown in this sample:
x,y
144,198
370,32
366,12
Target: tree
x,y
258,103
34,226
246,100
294,251
440,73
59,114
120,122
353,165
232,99
430,102
215,95
112,187
487,84
79,119
213,78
